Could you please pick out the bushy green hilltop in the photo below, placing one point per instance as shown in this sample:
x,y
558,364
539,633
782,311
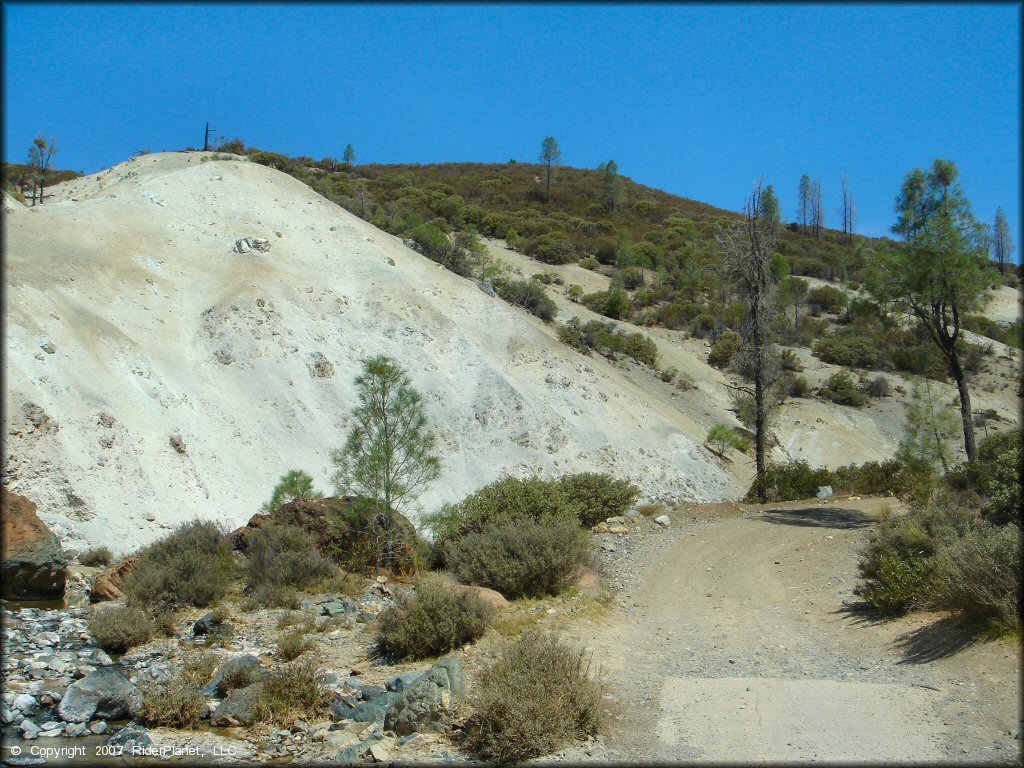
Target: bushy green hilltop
x,y
658,248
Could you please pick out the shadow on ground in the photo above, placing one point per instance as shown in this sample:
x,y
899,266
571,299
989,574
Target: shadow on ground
x,y
818,517
937,640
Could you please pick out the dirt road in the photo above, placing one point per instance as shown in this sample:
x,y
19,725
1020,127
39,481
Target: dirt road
x,y
735,645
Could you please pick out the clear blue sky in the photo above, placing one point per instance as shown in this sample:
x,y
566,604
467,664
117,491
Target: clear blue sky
x,y
696,100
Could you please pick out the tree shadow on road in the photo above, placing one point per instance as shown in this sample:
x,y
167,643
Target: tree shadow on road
x,y
818,517
942,638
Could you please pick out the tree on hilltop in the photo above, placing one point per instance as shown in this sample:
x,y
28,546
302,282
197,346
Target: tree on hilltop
x,y
350,154
550,156
1002,244
39,155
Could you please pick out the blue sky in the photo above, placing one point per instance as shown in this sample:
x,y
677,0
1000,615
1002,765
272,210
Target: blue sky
x,y
696,100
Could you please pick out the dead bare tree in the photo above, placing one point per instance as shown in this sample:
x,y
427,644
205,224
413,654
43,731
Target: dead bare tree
x,y
847,210
747,250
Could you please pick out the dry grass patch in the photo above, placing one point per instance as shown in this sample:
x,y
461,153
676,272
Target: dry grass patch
x,y
117,628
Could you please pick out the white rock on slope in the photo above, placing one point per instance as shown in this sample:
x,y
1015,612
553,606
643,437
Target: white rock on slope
x,y
161,329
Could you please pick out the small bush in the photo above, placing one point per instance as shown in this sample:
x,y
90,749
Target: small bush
x,y
851,350
528,294
285,556
96,557
842,389
788,482
790,361
536,697
723,349
434,620
177,702
798,386
685,382
117,628
192,565
292,485
292,693
651,510
292,644
826,299
520,559
878,386
722,437
978,575
597,496
899,583
871,478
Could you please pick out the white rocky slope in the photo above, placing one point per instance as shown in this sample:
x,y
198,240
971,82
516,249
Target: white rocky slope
x,y
131,320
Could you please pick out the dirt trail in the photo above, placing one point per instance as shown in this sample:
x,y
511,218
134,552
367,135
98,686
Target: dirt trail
x,y
736,646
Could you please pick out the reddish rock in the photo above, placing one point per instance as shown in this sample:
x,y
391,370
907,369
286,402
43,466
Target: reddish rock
x,y
33,565
109,583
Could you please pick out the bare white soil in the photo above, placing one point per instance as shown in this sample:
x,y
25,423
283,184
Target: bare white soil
x,y
131,320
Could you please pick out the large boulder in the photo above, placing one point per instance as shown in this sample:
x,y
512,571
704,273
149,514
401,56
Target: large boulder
x,y
109,583
32,562
104,694
429,703
345,529
239,708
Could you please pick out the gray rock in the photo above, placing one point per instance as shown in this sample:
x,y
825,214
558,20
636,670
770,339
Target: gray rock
x,y
663,520
239,708
19,760
337,608
428,704
354,753
233,668
374,710
105,694
824,492
76,729
367,692
98,727
25,703
130,736
48,347
401,682
27,727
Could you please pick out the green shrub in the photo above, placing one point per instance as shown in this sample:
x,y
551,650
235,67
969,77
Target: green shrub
x,y
898,584
528,294
608,340
703,325
296,692
117,628
790,481
999,461
848,350
878,386
723,349
826,299
597,496
895,563
722,437
872,478
508,499
292,644
192,565
285,556
535,698
798,386
519,558
978,575
292,485
790,361
436,619
842,389
95,557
